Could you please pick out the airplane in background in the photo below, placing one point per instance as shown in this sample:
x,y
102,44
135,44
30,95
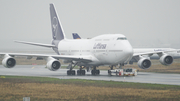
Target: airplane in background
x,y
175,53
107,49
76,36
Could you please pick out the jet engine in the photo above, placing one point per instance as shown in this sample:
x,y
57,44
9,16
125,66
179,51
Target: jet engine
x,y
166,59
53,64
8,61
144,63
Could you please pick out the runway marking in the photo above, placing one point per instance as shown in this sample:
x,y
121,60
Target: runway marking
x,y
32,68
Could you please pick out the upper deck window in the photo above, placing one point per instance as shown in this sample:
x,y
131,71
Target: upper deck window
x,y
121,38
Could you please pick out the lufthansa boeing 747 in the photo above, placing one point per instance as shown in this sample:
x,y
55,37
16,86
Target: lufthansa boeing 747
x,y
107,49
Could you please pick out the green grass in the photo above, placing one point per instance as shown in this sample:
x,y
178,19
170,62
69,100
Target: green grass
x,y
90,82
14,88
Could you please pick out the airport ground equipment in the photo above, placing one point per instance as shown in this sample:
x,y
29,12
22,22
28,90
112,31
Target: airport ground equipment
x,y
123,72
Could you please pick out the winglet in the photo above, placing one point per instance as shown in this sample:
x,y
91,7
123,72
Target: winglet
x,y
57,30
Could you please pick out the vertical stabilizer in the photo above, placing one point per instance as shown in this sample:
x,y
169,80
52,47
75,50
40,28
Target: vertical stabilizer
x,y
76,36
57,30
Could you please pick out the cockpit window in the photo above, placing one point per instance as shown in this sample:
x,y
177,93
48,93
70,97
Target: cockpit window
x,y
121,38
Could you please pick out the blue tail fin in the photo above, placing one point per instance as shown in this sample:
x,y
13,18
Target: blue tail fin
x,y
76,36
57,30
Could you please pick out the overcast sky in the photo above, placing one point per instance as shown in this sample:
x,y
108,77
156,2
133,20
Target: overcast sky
x,y
146,23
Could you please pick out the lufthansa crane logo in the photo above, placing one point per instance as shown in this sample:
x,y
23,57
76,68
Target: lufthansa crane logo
x,y
54,26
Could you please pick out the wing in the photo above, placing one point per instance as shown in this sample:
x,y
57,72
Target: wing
x,y
87,58
143,58
155,52
137,56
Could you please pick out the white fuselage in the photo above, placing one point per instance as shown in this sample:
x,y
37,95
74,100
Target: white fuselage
x,y
109,49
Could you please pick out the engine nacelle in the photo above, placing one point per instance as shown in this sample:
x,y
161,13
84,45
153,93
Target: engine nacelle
x,y
166,59
8,62
144,63
53,65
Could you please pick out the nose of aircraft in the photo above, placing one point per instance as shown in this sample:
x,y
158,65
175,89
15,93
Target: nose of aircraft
x,y
128,51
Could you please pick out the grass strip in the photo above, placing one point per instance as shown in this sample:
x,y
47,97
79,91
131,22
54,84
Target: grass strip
x,y
14,88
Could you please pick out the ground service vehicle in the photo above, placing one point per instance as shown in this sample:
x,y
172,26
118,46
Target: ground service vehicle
x,y
123,72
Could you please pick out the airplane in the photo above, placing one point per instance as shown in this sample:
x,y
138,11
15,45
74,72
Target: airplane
x,y
76,36
107,49
172,52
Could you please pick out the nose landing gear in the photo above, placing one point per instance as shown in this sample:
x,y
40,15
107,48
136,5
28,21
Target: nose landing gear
x,y
119,66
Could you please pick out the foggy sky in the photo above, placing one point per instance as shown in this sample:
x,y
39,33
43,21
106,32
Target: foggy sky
x,y
146,23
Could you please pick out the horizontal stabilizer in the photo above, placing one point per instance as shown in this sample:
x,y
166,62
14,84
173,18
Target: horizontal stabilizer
x,y
36,44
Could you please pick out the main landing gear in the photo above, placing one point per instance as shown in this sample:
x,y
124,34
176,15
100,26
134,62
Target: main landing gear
x,y
71,71
111,68
95,71
80,71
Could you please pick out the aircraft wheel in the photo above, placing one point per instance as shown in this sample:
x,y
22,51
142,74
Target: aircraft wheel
x,y
68,72
73,72
78,72
83,72
92,72
97,72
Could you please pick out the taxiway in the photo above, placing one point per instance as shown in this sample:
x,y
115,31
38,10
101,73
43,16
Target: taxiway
x,y
41,71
